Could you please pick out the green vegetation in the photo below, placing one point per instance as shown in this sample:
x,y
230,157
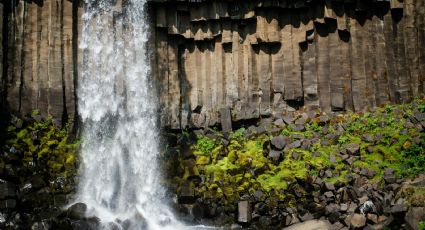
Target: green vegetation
x,y
42,147
421,225
386,138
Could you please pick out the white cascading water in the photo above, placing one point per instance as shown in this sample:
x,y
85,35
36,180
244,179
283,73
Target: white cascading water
x,y
120,180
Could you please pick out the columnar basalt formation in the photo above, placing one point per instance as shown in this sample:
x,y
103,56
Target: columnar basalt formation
x,y
260,58
256,58
42,58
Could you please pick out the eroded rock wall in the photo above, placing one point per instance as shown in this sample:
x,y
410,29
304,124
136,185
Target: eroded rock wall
x,y
256,58
42,57
262,57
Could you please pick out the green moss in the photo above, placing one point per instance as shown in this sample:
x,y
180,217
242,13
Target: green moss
x,y
270,181
242,167
222,166
204,146
202,160
47,143
238,134
252,155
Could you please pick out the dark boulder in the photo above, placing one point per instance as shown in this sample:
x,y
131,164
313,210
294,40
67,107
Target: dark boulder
x,y
77,211
278,142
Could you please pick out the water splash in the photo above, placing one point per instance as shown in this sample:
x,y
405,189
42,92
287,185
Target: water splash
x,y
117,104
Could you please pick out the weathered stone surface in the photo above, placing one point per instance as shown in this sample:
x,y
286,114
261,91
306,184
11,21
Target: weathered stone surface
x,y
244,212
226,120
358,220
414,216
311,225
43,57
278,142
77,211
256,58
7,190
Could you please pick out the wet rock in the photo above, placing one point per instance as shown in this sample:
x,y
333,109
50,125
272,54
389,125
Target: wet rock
x,y
265,221
278,142
414,216
311,225
187,193
244,212
236,226
358,220
198,211
353,149
43,225
93,224
77,211
7,189
7,204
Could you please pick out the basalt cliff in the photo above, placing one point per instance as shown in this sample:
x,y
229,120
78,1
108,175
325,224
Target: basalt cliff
x,y
211,58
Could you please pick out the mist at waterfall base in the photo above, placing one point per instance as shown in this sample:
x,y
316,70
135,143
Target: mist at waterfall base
x,y
120,181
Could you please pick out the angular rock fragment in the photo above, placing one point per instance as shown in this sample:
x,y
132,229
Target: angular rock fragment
x,y
278,142
358,220
226,120
353,149
244,212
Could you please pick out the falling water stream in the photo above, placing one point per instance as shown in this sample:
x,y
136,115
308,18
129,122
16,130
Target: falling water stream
x,y
120,180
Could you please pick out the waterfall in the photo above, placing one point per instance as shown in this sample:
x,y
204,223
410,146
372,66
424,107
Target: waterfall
x,y
120,180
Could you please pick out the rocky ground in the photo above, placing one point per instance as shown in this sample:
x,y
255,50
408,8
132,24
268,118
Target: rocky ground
x,y
353,171
37,172
296,170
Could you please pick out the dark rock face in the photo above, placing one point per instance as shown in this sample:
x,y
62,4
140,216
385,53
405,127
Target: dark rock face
x,y
77,211
211,54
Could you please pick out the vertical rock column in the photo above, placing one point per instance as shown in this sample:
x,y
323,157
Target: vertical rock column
x,y
42,58
2,83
